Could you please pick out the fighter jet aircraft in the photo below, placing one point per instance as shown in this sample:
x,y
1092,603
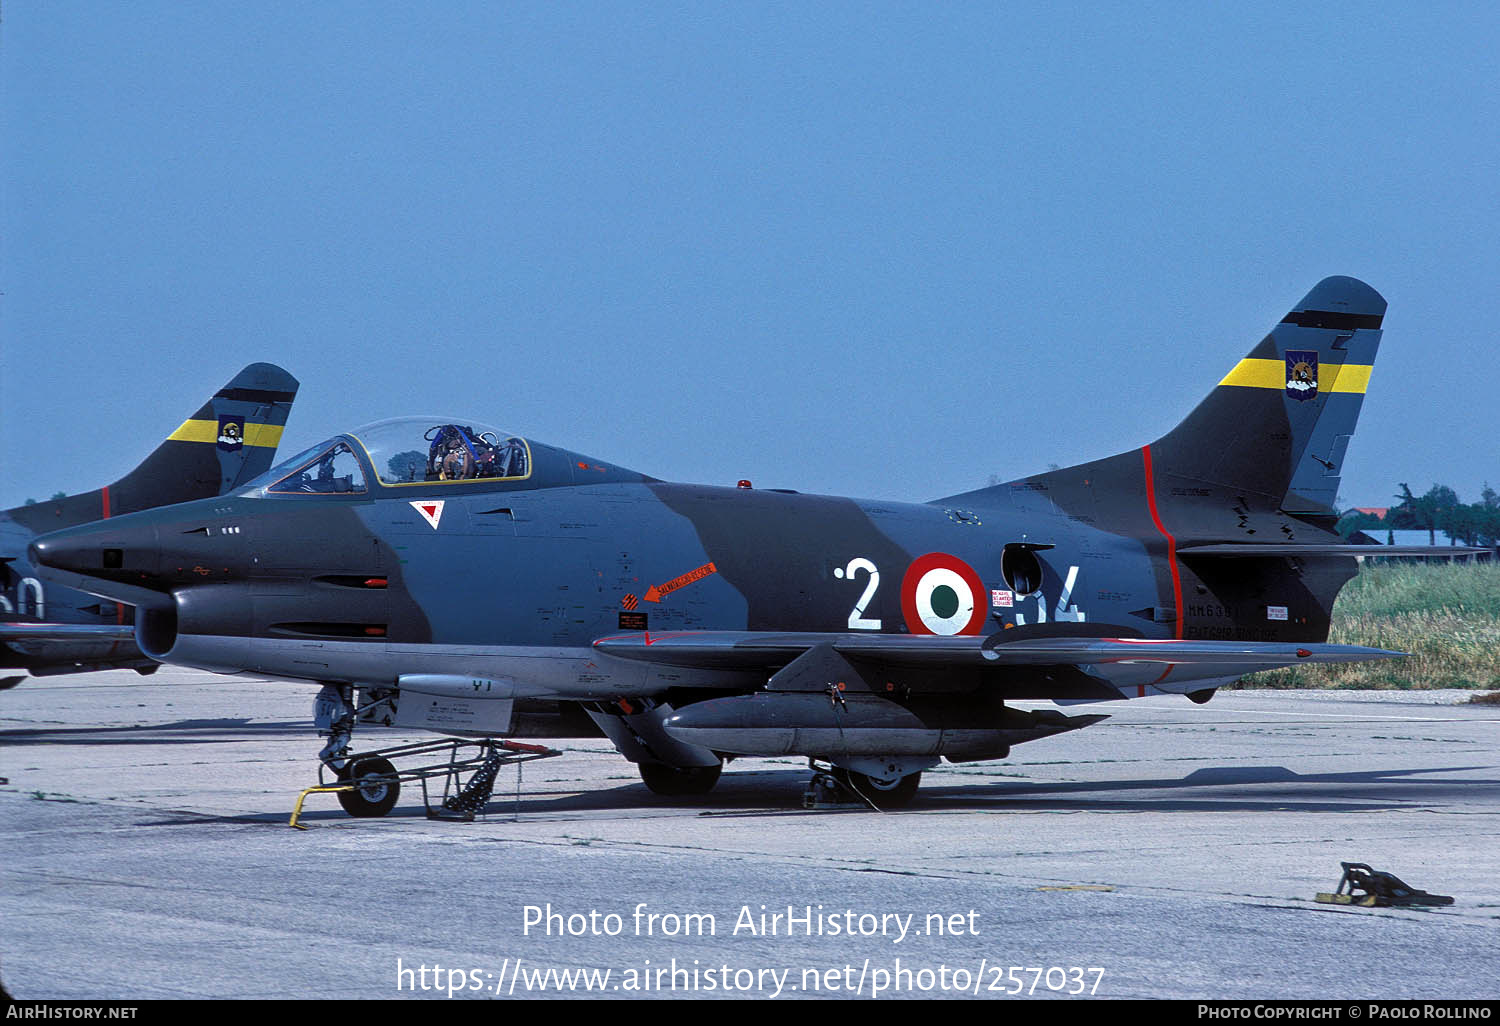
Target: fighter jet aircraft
x,y
439,573
228,442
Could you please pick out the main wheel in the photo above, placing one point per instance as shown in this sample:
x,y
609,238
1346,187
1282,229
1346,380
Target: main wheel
x,y
676,783
375,798
895,793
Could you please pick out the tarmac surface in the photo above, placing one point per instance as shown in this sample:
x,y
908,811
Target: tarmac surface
x,y
1172,851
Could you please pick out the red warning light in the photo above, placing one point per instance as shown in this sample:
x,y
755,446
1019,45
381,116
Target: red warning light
x,y
745,484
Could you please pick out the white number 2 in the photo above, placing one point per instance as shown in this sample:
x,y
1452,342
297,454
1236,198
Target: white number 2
x,y
857,619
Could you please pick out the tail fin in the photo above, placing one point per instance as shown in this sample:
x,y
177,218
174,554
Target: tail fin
x,y
229,440
1269,439
1279,423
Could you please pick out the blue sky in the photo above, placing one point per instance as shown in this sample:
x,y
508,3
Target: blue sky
x,y
885,250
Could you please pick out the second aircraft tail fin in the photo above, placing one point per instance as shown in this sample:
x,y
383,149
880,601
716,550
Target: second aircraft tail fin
x,y
231,439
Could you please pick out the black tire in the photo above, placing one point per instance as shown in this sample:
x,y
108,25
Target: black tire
x,y
673,782
883,794
376,799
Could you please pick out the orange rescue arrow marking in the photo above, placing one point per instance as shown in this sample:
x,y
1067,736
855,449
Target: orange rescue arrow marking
x,y
656,591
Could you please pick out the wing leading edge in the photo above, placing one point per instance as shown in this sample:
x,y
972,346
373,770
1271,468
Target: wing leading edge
x,y
748,649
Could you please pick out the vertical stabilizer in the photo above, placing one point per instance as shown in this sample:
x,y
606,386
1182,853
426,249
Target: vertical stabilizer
x,y
1279,423
229,440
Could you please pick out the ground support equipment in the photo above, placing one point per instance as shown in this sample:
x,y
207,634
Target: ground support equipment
x,y
1377,890
369,783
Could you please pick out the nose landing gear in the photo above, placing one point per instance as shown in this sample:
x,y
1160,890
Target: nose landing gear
x,y
368,784
379,787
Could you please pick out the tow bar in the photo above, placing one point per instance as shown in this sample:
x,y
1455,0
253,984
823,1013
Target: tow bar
x,y
1377,890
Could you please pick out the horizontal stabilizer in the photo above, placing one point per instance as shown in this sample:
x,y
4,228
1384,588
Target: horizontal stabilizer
x,y
1247,549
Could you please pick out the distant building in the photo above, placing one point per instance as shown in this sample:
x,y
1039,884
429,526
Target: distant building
x,y
1374,511
1375,536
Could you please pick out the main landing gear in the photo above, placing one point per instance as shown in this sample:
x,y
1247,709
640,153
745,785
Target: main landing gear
x,y
678,782
881,792
881,784
889,785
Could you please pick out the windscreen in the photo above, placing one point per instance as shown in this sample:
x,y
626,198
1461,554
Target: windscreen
x,y
334,471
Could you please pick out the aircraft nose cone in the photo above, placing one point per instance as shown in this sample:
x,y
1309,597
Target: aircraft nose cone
x,y
65,554
97,550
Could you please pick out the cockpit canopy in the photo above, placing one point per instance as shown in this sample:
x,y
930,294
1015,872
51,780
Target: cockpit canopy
x,y
410,450
403,451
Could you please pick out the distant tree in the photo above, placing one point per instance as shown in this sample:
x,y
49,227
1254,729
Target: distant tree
x,y
59,495
1488,530
1408,513
1428,512
1487,512
407,466
1462,523
30,502
1476,523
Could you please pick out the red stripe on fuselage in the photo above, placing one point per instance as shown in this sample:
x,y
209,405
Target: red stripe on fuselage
x,y
119,609
1171,550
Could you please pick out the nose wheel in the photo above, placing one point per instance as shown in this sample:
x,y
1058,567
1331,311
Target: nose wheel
x,y
378,791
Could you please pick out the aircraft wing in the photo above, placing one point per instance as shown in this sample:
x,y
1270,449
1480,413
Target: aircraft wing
x,y
752,649
66,632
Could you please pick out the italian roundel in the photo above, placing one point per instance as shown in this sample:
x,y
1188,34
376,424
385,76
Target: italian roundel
x,y
941,594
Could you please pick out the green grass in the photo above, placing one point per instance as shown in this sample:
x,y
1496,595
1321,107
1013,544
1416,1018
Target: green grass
x,y
1447,616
